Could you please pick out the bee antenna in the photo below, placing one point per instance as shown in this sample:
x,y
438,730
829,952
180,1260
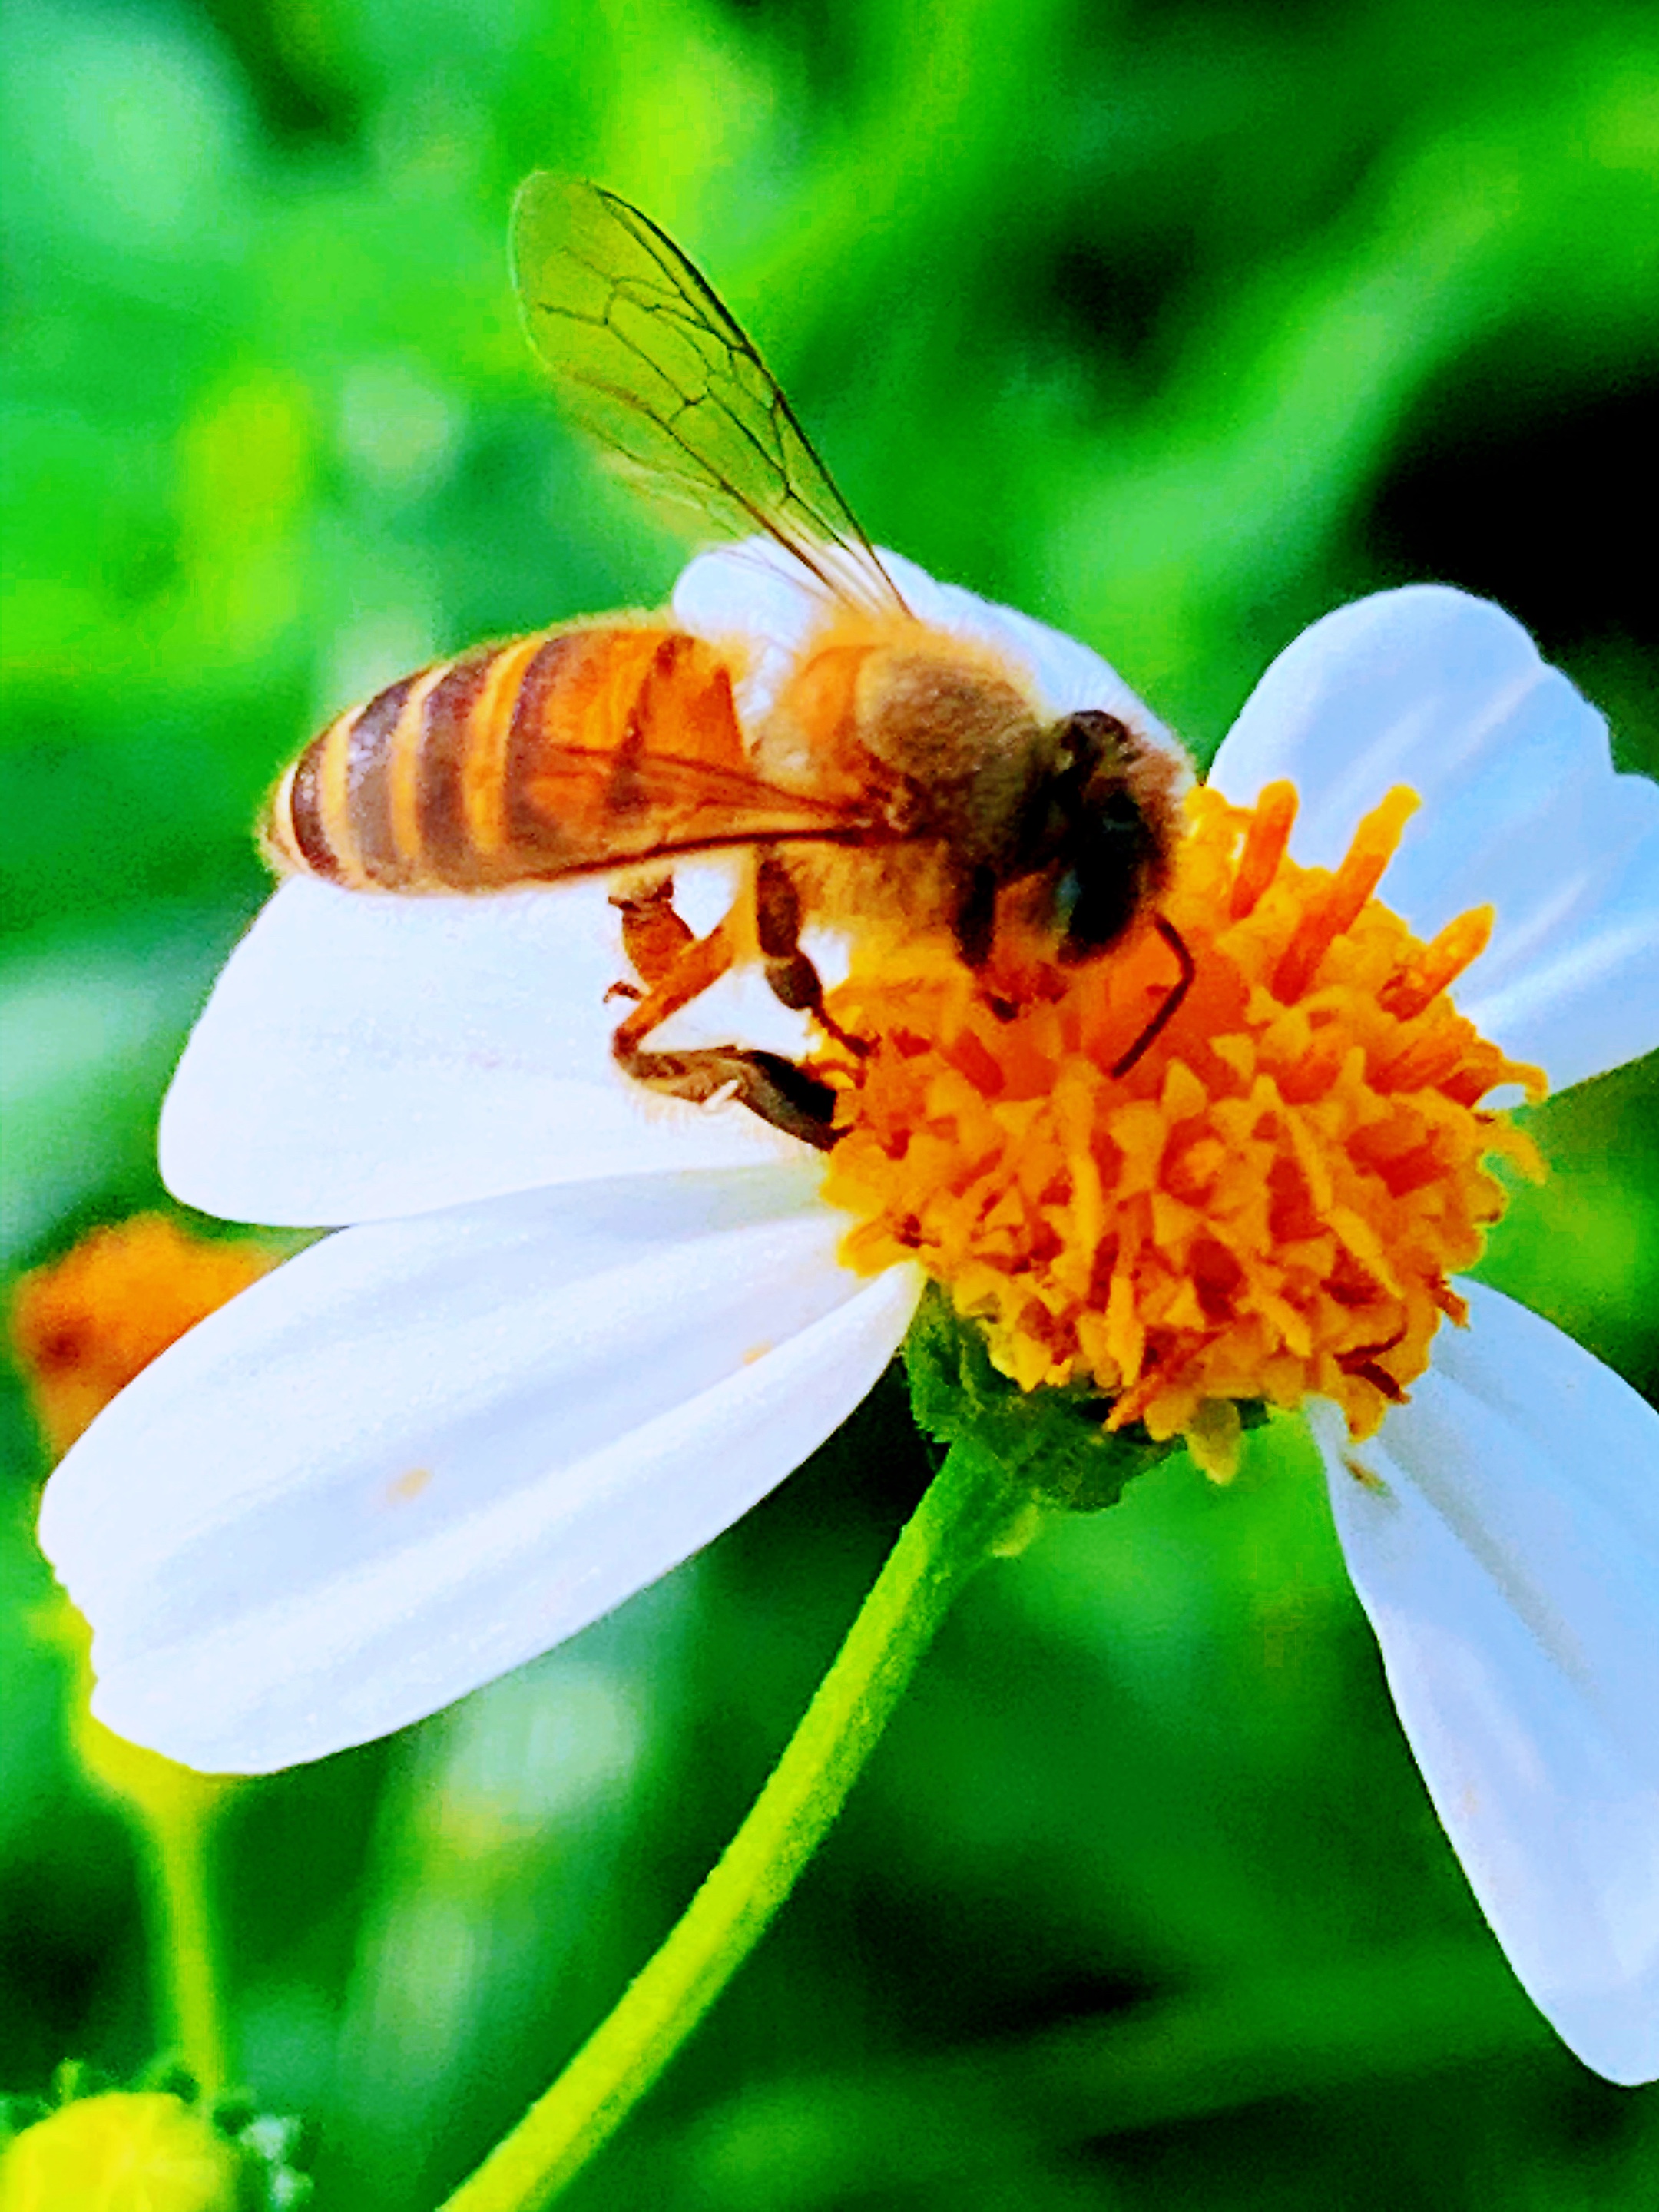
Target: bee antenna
x,y
1166,1012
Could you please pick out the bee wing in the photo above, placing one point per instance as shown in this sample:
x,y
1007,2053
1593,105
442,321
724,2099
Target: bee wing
x,y
597,811
650,363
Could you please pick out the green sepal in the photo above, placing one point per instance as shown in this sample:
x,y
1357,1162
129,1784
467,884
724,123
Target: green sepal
x,y
1055,1441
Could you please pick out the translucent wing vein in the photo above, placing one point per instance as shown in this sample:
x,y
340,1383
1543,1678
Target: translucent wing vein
x,y
649,362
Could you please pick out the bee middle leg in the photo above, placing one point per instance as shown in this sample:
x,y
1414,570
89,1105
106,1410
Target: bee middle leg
x,y
677,969
794,980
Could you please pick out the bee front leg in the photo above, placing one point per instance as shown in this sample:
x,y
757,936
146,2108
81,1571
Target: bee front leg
x,y
765,1083
653,935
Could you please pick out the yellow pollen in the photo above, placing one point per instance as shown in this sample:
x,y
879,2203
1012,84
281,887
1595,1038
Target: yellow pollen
x,y
1267,1205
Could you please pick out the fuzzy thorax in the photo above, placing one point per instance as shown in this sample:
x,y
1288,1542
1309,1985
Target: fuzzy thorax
x,y
1269,1205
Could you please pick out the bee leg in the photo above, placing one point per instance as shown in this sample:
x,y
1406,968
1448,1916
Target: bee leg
x,y
976,922
794,980
769,1083
653,935
765,1083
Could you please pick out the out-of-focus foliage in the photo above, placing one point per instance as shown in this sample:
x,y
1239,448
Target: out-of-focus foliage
x,y
1174,324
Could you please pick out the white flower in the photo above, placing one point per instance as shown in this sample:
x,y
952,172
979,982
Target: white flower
x,y
576,1332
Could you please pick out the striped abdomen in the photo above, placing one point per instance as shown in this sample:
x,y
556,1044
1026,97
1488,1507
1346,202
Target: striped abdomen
x,y
514,763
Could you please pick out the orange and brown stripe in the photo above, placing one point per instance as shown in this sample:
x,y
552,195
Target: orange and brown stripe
x,y
515,763
403,792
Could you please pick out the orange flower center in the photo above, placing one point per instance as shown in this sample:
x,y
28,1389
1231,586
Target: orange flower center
x,y
1267,1204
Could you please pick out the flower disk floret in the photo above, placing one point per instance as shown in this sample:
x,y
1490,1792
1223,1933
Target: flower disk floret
x,y
1269,1203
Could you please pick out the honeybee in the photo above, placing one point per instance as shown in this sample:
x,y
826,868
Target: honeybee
x,y
900,780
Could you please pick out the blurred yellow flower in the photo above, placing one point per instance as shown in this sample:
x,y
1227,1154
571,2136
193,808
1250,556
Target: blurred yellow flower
x,y
126,2151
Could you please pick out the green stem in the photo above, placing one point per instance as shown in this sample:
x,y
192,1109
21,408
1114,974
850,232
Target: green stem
x,y
970,1512
177,1841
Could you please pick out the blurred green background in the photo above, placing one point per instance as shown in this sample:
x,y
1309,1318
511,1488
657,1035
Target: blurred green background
x,y
1174,324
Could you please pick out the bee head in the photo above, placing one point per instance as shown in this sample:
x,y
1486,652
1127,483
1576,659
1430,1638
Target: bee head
x,y
1098,832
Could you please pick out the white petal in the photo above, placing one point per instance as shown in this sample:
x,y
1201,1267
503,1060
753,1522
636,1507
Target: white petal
x,y
424,1451
1510,1570
758,591
1522,809
362,1057
754,593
